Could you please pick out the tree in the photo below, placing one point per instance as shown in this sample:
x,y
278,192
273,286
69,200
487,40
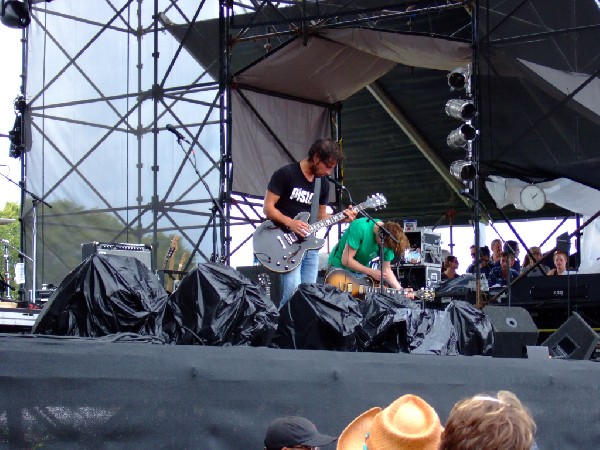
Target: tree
x,y
10,234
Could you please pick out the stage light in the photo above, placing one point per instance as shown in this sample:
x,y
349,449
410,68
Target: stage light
x,y
463,170
461,109
459,79
14,14
460,137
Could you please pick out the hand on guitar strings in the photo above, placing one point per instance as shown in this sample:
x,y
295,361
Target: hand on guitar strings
x,y
299,227
350,214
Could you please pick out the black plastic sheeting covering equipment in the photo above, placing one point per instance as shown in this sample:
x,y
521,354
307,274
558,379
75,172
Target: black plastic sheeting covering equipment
x,y
325,318
104,295
318,317
387,323
217,305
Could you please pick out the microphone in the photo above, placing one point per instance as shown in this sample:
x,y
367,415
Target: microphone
x,y
336,182
173,130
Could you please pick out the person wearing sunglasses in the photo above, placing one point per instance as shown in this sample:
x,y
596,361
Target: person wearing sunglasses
x,y
295,432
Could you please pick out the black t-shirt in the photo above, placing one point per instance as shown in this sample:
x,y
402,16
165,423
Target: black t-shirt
x,y
294,191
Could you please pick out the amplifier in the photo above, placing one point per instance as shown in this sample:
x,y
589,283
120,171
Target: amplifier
x,y
141,252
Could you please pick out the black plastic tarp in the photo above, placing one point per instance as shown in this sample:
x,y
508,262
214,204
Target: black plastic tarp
x,y
105,294
318,317
217,305
325,318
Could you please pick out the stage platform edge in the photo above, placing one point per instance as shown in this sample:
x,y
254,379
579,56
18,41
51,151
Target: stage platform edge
x,y
75,393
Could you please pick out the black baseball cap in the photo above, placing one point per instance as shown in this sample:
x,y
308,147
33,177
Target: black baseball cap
x,y
294,430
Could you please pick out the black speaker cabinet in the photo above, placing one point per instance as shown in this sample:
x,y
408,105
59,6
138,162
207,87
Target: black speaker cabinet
x,y
513,330
141,252
259,274
574,339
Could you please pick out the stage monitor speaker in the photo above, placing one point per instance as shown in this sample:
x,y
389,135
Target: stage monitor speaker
x,y
574,339
513,330
273,279
141,252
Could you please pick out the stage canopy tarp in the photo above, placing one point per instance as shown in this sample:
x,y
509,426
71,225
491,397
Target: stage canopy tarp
x,y
531,59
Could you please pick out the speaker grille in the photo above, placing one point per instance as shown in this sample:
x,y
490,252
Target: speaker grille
x,y
574,339
513,330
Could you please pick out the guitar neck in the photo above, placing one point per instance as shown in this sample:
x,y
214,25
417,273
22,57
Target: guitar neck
x,y
332,220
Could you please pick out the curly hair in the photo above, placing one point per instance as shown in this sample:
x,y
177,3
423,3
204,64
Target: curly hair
x,y
395,230
491,423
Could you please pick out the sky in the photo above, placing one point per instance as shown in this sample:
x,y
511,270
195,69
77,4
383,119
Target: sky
x,y
532,232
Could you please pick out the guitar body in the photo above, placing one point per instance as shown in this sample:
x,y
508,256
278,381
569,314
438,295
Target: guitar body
x,y
279,249
345,281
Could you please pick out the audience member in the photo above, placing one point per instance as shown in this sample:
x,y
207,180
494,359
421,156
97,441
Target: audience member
x,y
294,432
496,247
513,247
528,262
473,250
485,265
450,266
499,273
560,262
499,422
408,423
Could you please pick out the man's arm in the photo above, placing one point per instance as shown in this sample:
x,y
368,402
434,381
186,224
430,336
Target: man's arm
x,y
389,276
272,213
352,264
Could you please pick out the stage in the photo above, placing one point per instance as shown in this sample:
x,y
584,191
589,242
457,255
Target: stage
x,y
59,392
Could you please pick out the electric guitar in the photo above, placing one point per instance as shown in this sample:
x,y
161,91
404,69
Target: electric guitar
x,y
172,249
170,262
281,250
359,287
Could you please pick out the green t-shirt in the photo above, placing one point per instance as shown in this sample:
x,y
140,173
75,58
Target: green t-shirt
x,y
361,237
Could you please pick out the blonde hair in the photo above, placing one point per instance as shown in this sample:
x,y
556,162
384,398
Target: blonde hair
x,y
491,423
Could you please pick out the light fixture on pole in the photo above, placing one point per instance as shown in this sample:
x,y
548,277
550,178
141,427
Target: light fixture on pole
x,y
463,170
15,14
459,138
460,78
461,109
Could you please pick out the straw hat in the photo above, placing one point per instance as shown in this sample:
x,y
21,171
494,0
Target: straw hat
x,y
408,423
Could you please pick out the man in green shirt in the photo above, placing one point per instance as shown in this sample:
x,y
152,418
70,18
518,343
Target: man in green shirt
x,y
360,244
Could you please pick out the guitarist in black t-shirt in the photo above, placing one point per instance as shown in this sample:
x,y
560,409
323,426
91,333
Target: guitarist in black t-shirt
x,y
290,192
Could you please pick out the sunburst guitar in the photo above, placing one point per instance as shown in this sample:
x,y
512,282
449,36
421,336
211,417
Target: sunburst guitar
x,y
281,250
359,287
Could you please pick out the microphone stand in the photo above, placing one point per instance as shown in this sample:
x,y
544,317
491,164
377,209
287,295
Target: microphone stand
x,y
35,200
6,265
216,206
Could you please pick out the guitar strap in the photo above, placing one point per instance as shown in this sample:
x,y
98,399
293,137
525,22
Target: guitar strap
x,y
314,206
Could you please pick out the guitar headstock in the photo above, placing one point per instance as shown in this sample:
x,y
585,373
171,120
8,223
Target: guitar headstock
x,y
172,249
376,201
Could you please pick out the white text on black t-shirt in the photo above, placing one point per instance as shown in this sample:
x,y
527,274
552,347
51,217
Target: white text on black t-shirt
x,y
301,195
